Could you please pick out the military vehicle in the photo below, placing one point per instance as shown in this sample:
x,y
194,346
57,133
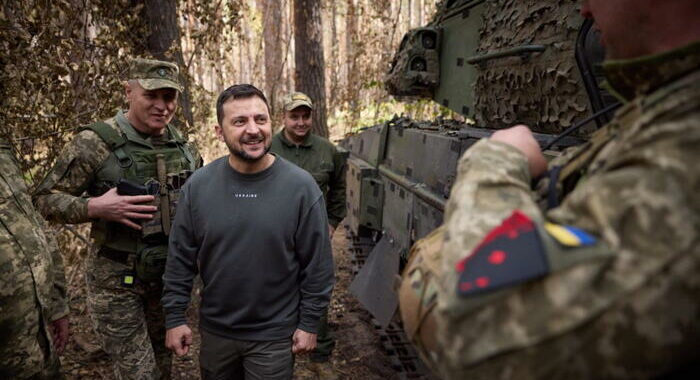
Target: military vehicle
x,y
496,63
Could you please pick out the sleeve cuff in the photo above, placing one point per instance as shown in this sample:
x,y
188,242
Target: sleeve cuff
x,y
306,325
174,319
81,208
503,158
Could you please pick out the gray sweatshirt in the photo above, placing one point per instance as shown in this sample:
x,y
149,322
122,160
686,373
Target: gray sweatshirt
x,y
260,244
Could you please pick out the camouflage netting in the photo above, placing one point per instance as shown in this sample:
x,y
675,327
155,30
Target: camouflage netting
x,y
544,91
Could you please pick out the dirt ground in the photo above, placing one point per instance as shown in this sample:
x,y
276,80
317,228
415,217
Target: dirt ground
x,y
358,353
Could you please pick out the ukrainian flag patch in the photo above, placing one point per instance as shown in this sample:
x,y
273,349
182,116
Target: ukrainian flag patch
x,y
569,236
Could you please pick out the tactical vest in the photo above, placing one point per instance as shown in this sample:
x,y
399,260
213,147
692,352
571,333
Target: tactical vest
x,y
137,160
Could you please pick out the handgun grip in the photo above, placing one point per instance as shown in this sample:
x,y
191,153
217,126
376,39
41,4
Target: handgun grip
x,y
126,187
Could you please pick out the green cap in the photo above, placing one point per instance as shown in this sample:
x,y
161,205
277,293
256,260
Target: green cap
x,y
297,99
152,74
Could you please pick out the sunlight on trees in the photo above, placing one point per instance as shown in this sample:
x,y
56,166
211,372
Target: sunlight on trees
x,y
64,62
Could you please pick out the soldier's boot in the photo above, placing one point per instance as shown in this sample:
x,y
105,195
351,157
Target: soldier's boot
x,y
324,370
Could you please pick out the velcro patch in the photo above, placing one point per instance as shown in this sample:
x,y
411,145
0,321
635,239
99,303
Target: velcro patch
x,y
128,281
569,236
510,254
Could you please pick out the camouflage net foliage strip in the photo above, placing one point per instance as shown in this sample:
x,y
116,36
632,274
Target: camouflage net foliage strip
x,y
63,65
64,62
546,91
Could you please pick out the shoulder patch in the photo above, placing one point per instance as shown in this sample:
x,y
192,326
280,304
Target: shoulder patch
x,y
510,254
569,236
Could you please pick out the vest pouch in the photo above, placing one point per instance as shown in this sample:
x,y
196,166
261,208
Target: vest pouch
x,y
153,228
150,263
175,182
174,199
144,166
418,295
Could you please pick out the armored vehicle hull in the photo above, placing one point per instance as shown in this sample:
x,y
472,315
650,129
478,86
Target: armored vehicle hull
x,y
497,63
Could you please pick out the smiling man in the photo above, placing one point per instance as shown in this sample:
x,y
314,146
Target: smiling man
x,y
126,261
318,156
315,154
254,227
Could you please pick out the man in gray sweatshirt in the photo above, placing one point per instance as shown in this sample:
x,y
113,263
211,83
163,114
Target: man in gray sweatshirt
x,y
254,227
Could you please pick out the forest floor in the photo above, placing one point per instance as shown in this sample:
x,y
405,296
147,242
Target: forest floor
x,y
357,355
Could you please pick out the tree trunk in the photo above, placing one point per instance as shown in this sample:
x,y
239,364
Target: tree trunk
x,y
238,51
164,44
289,33
272,36
351,77
420,12
308,58
334,47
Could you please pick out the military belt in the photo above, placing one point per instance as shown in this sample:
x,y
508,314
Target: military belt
x,y
114,255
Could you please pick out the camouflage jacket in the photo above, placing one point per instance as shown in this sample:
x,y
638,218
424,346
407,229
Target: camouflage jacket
x,y
62,196
326,164
621,302
32,286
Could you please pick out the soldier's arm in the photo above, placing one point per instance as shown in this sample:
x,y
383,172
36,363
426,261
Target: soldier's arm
x,y
622,229
59,196
336,192
57,306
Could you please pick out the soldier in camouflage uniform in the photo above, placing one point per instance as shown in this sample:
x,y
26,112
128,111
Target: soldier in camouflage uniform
x,y
318,156
129,233
604,284
33,307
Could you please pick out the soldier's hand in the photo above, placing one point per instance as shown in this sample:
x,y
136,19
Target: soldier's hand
x,y
522,139
60,332
331,230
179,339
303,342
121,208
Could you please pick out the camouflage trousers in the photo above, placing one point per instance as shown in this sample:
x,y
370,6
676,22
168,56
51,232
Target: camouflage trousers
x,y
27,352
129,321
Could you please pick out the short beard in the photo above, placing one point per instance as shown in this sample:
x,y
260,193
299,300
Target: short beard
x,y
246,157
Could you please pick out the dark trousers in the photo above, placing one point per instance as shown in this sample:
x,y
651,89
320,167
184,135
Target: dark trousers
x,y
324,341
225,358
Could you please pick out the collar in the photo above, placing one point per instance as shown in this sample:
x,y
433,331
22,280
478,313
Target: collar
x,y
307,143
639,76
134,135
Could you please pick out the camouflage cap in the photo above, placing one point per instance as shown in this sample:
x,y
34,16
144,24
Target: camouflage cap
x,y
152,74
297,99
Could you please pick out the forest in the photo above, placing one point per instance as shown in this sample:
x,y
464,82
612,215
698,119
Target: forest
x,y
64,61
